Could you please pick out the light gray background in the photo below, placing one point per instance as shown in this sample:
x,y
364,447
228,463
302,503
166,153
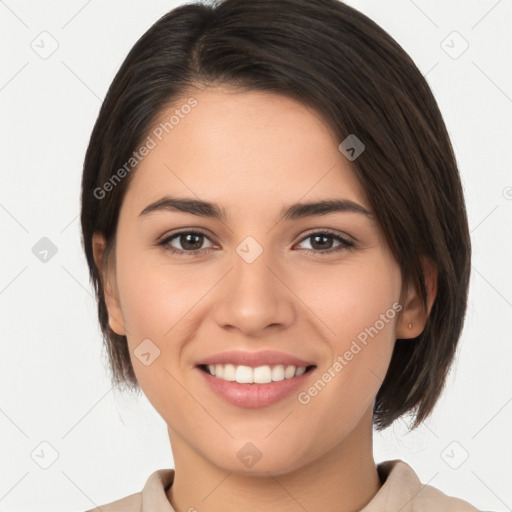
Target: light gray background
x,y
54,383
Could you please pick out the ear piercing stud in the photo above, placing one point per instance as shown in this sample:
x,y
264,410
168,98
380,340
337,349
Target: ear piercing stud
x,y
410,326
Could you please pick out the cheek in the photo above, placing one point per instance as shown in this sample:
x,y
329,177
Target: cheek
x,y
156,298
356,306
166,304
156,305
352,296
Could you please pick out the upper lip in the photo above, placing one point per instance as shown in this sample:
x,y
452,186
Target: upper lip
x,y
255,359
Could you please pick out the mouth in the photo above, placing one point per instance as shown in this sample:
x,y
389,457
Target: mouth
x,y
255,386
255,379
264,374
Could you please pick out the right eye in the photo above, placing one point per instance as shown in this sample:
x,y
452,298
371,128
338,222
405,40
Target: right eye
x,y
189,240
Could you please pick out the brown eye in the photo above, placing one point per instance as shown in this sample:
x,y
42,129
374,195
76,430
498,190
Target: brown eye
x,y
322,243
191,242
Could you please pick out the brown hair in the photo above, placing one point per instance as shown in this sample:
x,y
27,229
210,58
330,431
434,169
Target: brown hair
x,y
328,55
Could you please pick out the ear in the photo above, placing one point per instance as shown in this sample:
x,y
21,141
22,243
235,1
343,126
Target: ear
x,y
413,312
115,315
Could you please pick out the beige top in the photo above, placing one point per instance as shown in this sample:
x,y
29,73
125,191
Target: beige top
x,y
401,491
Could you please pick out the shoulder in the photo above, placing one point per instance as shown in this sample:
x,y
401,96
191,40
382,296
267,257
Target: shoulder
x,y
402,488
151,498
131,503
431,498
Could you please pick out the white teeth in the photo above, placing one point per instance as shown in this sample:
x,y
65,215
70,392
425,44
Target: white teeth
x,y
278,372
243,374
262,375
259,375
229,372
290,372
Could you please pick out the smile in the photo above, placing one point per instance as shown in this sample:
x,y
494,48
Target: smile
x,y
253,387
258,375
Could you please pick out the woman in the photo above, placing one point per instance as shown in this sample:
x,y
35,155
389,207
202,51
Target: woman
x,y
275,227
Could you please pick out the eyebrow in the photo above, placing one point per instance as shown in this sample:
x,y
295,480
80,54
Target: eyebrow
x,y
291,212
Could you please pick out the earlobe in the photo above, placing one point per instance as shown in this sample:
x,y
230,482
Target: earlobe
x,y
115,316
414,317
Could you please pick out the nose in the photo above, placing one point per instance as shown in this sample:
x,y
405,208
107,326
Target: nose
x,y
254,296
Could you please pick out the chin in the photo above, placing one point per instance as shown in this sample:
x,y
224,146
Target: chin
x,y
249,460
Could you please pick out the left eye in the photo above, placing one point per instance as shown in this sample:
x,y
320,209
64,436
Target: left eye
x,y
317,240
192,241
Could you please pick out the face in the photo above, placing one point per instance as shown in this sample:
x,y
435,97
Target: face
x,y
323,289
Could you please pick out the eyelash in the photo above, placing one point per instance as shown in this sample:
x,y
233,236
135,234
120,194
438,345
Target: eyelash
x,y
346,245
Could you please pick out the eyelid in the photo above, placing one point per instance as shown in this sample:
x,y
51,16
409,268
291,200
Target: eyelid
x,y
309,232
329,231
192,229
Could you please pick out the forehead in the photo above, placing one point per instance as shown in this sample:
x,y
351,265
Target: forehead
x,y
249,151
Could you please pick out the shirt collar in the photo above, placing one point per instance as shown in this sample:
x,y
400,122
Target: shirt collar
x,y
154,497
400,485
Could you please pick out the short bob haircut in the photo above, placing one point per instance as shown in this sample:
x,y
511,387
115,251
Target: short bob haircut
x,y
333,58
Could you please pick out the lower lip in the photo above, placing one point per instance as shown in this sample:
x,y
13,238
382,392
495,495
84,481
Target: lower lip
x,y
254,395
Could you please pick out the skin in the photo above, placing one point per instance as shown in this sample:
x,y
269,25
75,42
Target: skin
x,y
253,153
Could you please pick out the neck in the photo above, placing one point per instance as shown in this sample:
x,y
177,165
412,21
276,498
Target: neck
x,y
343,480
